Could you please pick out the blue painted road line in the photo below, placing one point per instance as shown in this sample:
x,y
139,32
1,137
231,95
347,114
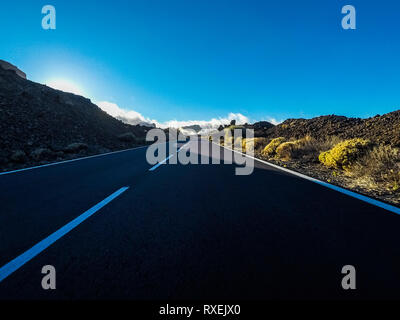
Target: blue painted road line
x,y
160,163
28,255
165,160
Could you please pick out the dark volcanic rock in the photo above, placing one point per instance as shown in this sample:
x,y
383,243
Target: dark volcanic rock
x,y
127,137
384,129
40,154
19,156
262,125
76,147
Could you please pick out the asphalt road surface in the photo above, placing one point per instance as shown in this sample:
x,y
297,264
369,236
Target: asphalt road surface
x,y
190,232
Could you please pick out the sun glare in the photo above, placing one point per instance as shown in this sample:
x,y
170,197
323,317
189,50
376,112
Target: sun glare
x,y
66,86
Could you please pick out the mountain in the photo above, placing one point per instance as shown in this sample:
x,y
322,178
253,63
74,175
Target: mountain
x,y
381,128
40,124
195,127
262,125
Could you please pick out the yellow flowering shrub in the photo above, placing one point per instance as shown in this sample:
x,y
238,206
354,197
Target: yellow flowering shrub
x,y
270,149
344,154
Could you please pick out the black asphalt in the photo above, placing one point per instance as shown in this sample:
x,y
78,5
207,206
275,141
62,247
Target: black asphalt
x,y
193,232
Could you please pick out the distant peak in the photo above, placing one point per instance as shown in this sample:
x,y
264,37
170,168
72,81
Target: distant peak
x,y
8,66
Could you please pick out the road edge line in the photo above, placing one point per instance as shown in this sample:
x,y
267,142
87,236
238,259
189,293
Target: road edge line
x,y
71,160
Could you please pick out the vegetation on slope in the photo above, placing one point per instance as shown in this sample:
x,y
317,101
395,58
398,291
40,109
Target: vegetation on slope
x,y
369,167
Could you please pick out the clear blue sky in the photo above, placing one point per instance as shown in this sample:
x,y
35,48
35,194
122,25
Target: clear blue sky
x,y
199,59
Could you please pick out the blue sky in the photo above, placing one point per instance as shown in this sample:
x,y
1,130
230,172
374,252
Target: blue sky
x,y
197,60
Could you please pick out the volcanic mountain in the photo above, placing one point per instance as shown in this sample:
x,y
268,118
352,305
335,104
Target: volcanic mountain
x,y
40,124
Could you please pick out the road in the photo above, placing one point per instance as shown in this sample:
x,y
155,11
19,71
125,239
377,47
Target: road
x,y
191,232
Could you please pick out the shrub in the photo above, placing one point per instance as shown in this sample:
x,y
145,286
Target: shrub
x,y
285,150
224,141
253,144
237,143
379,167
345,154
228,138
326,144
270,149
239,129
227,141
304,147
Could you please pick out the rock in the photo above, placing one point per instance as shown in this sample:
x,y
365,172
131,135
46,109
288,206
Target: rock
x,y
40,154
76,147
19,156
196,128
3,158
127,137
65,99
262,125
8,66
102,150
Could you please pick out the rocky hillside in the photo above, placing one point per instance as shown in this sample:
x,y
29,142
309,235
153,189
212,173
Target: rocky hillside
x,y
8,66
384,129
39,124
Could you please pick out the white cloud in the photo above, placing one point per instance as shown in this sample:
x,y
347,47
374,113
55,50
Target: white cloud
x,y
206,125
127,116
66,86
134,118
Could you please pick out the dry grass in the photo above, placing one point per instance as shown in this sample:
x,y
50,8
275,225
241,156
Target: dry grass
x,y
252,144
305,149
378,169
371,167
296,149
327,143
